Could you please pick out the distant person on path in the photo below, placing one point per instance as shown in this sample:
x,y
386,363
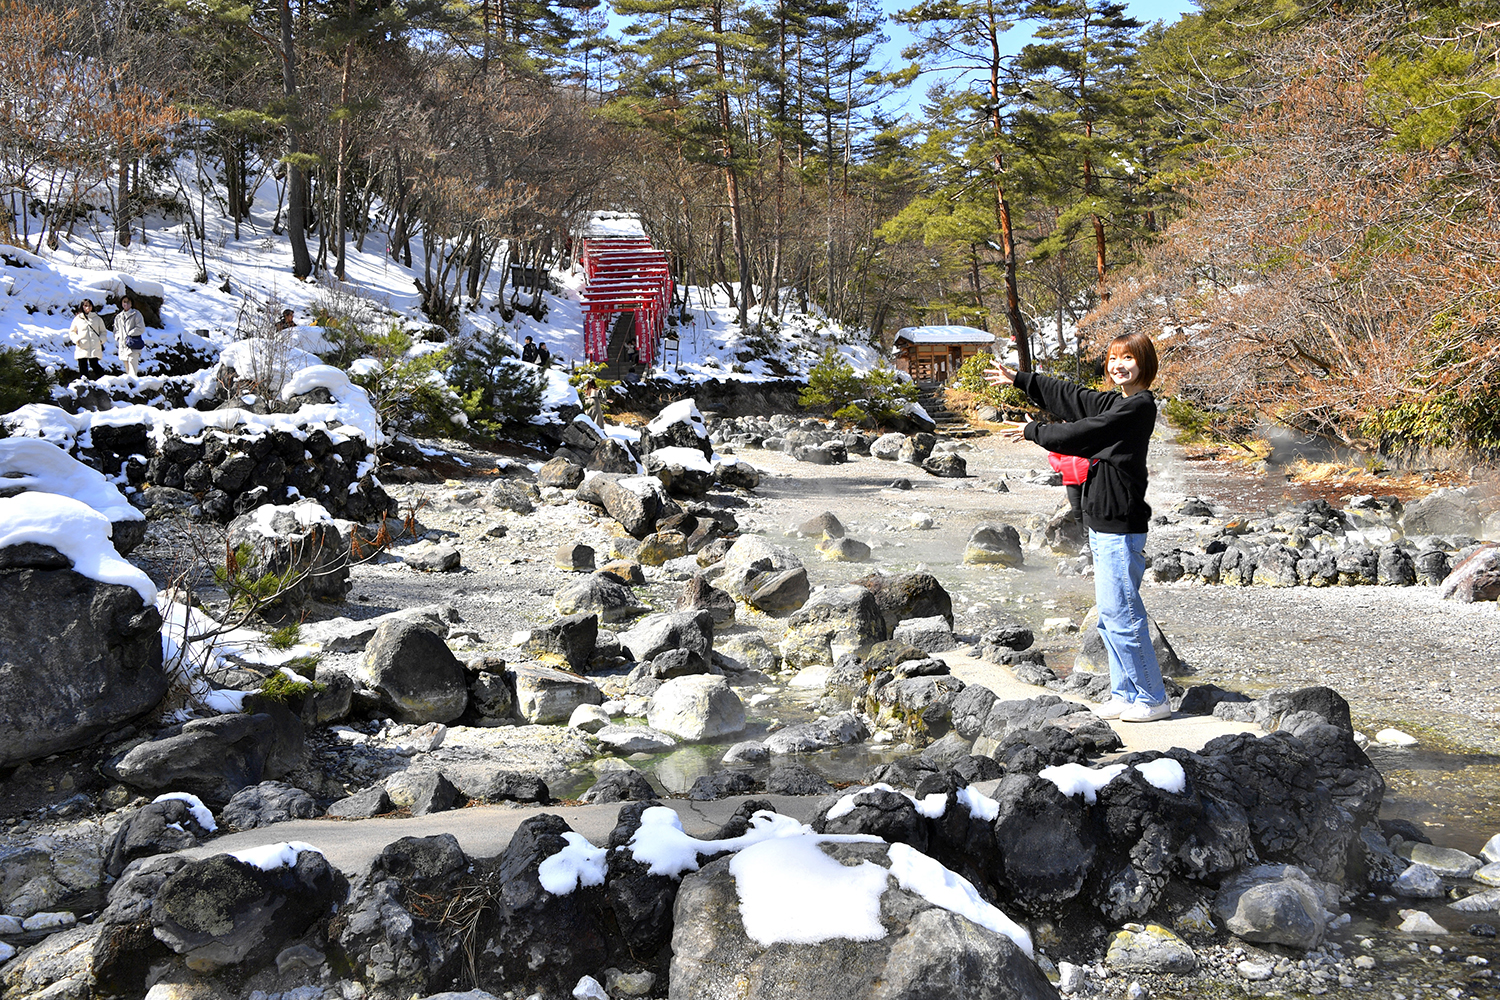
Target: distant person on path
x,y
87,334
287,321
596,403
1111,430
528,352
130,335
543,356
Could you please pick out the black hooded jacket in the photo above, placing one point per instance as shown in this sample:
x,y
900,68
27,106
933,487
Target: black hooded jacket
x,y
1109,429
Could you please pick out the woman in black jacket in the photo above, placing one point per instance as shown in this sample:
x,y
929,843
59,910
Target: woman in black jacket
x,y
1112,430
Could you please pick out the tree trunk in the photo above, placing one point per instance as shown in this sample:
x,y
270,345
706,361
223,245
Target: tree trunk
x,y
341,193
296,187
122,209
1002,215
731,177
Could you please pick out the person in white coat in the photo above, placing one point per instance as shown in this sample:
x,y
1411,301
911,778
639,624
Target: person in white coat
x,y
87,334
130,335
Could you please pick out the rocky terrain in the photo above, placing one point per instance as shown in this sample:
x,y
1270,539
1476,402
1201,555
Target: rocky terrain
x,y
802,673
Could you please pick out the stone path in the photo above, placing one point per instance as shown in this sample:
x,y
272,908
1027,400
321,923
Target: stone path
x,y
484,831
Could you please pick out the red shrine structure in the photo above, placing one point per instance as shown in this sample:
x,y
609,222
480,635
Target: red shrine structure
x,y
626,294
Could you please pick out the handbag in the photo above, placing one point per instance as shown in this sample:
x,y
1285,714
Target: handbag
x,y
135,343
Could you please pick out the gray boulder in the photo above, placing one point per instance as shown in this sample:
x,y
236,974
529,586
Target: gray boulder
x,y
1150,949
679,425
696,707
916,449
96,666
567,642
301,539
843,550
431,557
994,543
1475,578
491,699
534,941
346,635
908,595
779,593
545,696
415,674
600,594
213,758
821,525
367,802
511,495
654,634
1094,657
700,595
223,911
678,477
887,447
847,615
1272,904
634,501
1442,512
614,457
560,473
914,949
946,465
574,557
931,635
422,792
156,828
266,803
625,740
749,558
733,474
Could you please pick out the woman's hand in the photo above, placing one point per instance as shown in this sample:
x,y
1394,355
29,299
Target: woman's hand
x,y
998,374
1013,430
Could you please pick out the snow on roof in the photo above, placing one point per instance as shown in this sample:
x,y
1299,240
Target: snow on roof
x,y
74,529
605,224
45,468
944,335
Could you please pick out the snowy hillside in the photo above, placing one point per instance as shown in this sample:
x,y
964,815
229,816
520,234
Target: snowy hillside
x,y
250,283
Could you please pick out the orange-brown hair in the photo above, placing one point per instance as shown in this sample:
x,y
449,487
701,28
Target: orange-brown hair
x,y
1140,347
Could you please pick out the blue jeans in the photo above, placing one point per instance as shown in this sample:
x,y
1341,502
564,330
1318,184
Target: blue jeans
x,y
1119,565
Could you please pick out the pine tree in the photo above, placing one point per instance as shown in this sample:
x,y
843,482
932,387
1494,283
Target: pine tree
x,y
683,88
963,36
1076,72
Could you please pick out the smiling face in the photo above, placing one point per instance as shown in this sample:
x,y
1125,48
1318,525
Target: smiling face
x,y
1123,368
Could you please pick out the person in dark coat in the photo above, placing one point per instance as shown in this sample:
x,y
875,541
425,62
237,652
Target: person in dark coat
x,y
1112,430
543,356
528,352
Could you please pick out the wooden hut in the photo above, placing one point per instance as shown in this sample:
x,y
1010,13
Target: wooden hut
x,y
932,354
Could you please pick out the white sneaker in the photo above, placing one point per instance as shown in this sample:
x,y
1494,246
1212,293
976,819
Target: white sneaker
x,y
1112,709
1143,712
